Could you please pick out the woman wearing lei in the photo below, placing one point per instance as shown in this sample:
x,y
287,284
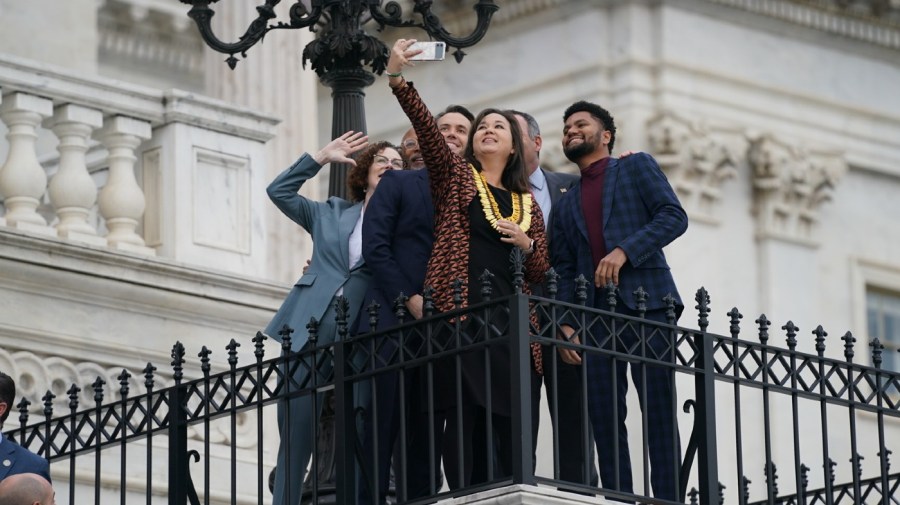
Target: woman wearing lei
x,y
483,209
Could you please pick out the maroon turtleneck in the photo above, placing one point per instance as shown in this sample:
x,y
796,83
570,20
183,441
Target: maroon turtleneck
x,y
592,206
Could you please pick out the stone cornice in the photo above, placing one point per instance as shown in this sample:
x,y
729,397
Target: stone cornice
x,y
871,21
868,21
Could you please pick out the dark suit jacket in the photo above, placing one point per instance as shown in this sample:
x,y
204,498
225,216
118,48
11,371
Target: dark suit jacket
x,y
557,184
398,233
641,215
15,459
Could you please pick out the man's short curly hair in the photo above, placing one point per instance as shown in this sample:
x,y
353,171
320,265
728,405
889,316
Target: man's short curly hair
x,y
599,113
357,178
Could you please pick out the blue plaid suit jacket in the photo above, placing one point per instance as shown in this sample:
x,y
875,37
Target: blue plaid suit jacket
x,y
641,214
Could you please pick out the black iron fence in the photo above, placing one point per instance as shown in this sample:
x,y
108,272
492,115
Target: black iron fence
x,y
763,424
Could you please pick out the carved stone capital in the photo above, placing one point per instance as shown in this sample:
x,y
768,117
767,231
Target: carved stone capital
x,y
790,184
697,159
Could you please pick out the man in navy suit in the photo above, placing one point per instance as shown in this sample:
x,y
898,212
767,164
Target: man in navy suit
x,y
611,228
566,394
398,233
15,459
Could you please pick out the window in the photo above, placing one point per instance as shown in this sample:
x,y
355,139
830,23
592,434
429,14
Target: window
x,y
883,319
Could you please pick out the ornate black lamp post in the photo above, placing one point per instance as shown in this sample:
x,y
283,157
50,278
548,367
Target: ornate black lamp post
x,y
342,49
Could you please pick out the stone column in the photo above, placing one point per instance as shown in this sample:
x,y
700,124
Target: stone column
x,y
272,80
122,201
22,178
72,190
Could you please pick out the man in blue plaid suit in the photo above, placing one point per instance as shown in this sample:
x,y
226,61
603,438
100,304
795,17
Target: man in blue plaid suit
x,y
611,227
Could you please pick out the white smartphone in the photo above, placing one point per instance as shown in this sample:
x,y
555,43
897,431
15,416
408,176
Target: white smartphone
x,y
431,51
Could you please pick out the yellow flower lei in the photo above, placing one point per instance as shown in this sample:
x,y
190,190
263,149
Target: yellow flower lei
x,y
521,203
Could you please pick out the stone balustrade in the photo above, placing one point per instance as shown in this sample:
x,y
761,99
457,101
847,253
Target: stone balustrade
x,y
109,164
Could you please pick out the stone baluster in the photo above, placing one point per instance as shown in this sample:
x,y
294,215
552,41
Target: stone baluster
x,y
22,178
72,190
122,202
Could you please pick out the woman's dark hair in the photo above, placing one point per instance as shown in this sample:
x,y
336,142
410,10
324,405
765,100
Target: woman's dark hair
x,y
358,177
514,177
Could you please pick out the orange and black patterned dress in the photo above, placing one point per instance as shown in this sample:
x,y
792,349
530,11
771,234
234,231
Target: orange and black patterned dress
x,y
463,245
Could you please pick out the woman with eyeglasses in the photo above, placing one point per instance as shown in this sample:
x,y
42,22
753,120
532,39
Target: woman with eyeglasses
x,y
483,210
337,268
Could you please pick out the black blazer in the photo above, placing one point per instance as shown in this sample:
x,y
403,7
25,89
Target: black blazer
x,y
398,233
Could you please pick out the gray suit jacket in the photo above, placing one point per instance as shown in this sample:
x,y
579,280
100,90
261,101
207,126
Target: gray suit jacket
x,y
330,224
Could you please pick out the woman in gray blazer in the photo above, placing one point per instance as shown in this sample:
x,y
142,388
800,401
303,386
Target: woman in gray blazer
x,y
336,268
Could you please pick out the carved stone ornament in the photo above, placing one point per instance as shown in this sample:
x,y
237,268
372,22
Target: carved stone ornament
x,y
697,160
790,184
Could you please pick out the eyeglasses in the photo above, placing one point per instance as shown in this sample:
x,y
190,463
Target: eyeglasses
x,y
410,144
396,163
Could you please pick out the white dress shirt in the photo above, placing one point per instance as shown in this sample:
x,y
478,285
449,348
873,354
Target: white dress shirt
x,y
541,193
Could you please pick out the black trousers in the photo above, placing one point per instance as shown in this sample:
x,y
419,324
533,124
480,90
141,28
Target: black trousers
x,y
564,389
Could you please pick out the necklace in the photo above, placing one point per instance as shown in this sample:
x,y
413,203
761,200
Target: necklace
x,y
521,204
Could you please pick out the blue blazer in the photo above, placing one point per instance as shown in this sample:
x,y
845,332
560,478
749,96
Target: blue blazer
x,y
641,215
330,224
15,459
398,233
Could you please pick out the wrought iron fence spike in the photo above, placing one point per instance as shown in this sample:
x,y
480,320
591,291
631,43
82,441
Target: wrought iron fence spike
x,y
124,379
341,309
693,494
552,283
611,291
312,328
400,307
849,340
149,373
48,403
428,300
734,319
373,309
98,387
204,360
640,300
763,324
581,290
177,361
671,314
791,334
23,405
820,334
877,350
703,300
74,393
233,352
485,280
259,345
457,292
517,257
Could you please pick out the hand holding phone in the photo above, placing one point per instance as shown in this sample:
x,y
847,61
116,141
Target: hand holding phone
x,y
431,51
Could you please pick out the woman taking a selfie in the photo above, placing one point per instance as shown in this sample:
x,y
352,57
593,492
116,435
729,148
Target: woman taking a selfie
x,y
483,209
336,268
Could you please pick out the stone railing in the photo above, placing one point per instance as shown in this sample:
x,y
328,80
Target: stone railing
x,y
125,167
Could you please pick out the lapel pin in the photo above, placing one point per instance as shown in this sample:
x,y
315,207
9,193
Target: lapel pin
x,y
7,462
563,190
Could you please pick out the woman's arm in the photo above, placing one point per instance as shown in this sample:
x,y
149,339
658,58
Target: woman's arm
x,y
439,160
283,190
